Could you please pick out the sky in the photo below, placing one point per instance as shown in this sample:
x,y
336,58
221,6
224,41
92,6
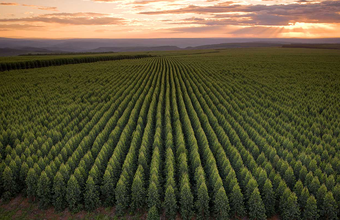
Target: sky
x,y
59,19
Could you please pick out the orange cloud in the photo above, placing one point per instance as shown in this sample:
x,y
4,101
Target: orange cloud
x,y
151,1
139,2
9,3
104,0
81,18
41,7
18,26
32,6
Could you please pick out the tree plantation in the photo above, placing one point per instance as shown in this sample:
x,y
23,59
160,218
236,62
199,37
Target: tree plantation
x,y
219,134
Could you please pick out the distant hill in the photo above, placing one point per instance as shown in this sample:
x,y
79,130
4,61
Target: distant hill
x,y
24,50
13,47
236,45
134,49
313,46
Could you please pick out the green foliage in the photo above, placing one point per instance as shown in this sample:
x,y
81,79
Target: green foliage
x,y
73,195
303,197
91,196
153,195
336,194
44,191
153,214
237,207
310,211
289,206
329,209
268,198
138,190
186,202
59,192
71,60
208,134
31,182
170,203
202,203
122,197
221,204
107,189
9,184
256,207
290,177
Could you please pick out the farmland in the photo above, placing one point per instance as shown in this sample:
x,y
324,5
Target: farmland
x,y
205,133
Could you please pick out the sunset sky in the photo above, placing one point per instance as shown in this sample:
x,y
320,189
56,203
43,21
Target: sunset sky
x,y
169,18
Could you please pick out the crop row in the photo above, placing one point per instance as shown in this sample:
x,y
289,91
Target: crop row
x,y
30,64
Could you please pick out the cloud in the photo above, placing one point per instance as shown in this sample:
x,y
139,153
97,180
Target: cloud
x,y
194,29
76,14
82,18
151,1
8,27
41,7
32,6
137,1
282,14
9,3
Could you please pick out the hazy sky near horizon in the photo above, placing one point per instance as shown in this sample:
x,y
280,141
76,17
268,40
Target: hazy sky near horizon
x,y
169,18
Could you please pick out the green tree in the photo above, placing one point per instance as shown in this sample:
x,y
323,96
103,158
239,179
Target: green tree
x,y
303,173
138,190
8,184
329,209
31,182
256,207
91,197
170,203
252,184
153,213
268,198
108,189
320,195
289,206
44,191
298,188
310,212
290,177
153,195
221,204
59,192
23,175
237,202
336,194
303,197
122,197
186,201
73,195
202,202
314,185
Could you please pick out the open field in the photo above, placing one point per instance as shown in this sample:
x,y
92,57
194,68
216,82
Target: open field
x,y
223,134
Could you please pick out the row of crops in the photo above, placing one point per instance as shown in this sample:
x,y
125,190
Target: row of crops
x,y
170,135
55,61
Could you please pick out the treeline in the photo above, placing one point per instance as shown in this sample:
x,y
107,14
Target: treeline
x,y
64,61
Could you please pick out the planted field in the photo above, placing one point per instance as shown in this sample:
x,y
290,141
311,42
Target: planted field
x,y
220,134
